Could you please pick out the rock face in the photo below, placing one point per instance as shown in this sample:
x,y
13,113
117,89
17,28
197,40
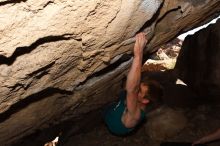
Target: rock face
x,y
164,58
169,122
60,59
198,63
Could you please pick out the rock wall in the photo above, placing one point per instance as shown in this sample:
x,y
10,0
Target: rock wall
x,y
58,44
60,59
198,63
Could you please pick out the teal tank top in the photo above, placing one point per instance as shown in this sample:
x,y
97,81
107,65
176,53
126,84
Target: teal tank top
x,y
113,116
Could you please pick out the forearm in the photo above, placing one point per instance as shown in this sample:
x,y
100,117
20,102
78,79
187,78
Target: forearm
x,y
134,75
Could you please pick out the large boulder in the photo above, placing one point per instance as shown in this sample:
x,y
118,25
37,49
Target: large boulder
x,y
164,123
198,63
63,58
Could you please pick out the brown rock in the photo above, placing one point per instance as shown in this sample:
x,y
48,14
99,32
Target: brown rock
x,y
198,63
165,123
60,59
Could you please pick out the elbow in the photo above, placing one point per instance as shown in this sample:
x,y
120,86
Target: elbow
x,y
132,89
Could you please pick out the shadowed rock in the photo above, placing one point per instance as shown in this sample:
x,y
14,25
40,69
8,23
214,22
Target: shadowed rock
x,y
84,62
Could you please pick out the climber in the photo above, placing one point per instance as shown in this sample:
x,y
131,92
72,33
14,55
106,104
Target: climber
x,y
208,138
123,116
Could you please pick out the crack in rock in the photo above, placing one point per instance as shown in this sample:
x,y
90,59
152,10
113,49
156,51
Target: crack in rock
x,y
27,49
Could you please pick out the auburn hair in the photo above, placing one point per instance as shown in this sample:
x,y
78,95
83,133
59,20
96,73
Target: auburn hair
x,y
155,91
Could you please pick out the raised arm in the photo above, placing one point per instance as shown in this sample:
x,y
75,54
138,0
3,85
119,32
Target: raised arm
x,y
133,82
134,75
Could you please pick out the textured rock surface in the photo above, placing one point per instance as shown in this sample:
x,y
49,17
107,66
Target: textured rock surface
x,y
164,58
60,58
61,43
198,63
169,121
